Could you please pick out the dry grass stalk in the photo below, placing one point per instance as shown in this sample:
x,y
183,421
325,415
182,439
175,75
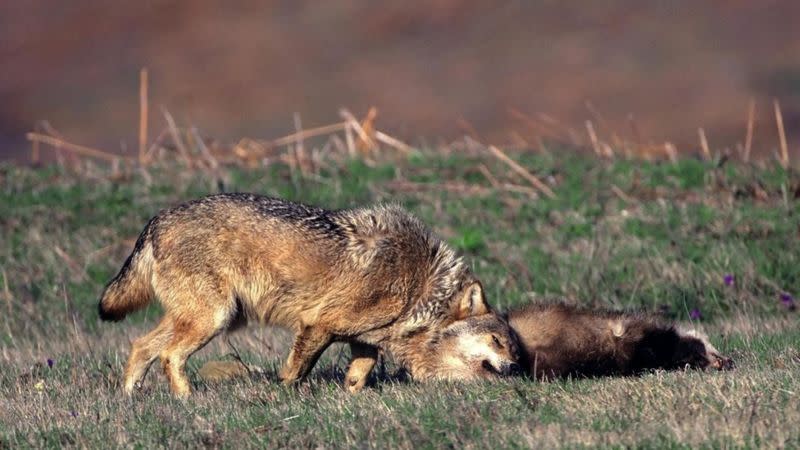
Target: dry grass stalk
x,y
250,151
510,187
623,196
593,137
73,148
7,292
149,154
354,125
671,151
748,139
608,152
306,134
299,148
210,159
704,144
488,174
143,116
607,149
351,146
393,142
115,172
521,170
338,143
76,268
35,151
781,134
176,137
456,187
49,129
565,130
366,143
535,127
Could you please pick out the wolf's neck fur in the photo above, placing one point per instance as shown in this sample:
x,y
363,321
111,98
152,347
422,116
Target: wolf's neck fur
x,y
447,274
415,355
369,231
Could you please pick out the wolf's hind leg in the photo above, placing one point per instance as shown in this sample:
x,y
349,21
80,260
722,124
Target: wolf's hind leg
x,y
364,358
144,351
307,348
187,339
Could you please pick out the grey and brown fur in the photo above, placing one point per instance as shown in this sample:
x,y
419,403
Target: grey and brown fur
x,y
558,340
374,277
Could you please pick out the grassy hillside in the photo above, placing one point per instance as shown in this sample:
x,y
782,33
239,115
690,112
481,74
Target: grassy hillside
x,y
693,241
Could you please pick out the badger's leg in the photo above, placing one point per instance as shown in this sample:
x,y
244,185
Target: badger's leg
x,y
307,348
364,358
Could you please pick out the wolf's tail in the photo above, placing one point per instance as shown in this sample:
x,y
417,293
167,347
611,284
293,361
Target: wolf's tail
x,y
132,288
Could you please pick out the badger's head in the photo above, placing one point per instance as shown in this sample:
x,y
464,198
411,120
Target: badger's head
x,y
695,350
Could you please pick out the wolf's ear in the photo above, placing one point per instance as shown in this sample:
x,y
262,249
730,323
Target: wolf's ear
x,y
471,301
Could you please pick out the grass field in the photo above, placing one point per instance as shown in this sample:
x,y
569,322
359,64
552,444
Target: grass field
x,y
692,241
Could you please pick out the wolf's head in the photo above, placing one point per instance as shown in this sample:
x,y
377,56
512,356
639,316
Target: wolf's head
x,y
477,344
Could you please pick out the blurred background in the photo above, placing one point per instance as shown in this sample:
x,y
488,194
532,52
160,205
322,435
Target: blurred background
x,y
435,69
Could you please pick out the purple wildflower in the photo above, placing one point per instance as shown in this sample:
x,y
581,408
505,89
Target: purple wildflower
x,y
73,413
50,363
728,279
788,301
695,314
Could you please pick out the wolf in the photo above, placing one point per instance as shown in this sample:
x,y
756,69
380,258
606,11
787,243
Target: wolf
x,y
559,340
374,277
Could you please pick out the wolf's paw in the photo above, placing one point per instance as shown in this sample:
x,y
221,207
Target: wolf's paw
x,y
355,384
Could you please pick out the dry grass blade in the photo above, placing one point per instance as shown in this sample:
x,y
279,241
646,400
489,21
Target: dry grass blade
x,y
450,186
305,134
6,291
393,142
300,156
748,139
704,144
74,148
212,161
671,151
156,144
35,152
781,134
593,137
623,196
488,174
176,137
143,116
521,170
364,138
366,143
73,265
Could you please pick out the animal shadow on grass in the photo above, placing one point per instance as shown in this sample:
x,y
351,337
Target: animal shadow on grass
x,y
235,370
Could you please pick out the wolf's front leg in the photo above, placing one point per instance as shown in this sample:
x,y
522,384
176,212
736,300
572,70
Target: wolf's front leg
x,y
364,358
308,346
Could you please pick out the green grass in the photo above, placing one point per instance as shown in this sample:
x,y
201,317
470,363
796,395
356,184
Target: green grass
x,y
622,234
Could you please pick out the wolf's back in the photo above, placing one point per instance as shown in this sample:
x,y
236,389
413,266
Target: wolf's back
x,y
131,289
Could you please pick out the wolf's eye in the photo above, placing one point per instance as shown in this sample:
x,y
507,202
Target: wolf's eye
x,y
496,341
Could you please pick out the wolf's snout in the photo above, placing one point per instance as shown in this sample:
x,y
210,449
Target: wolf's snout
x,y
504,369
